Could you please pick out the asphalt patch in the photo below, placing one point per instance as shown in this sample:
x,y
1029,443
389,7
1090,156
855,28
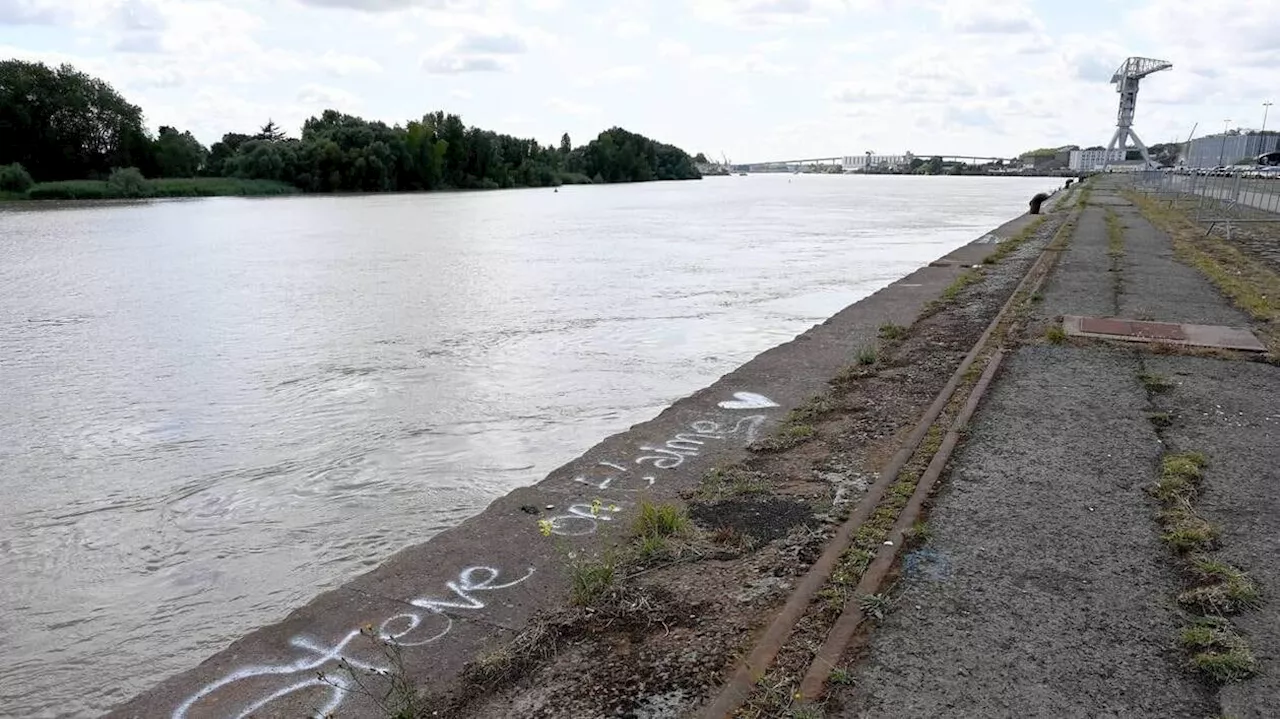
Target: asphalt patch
x,y
764,518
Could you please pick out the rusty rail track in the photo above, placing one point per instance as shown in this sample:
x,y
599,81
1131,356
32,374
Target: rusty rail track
x,y
735,692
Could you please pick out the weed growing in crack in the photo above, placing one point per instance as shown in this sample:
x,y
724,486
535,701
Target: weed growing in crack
x,y
1155,383
1222,588
875,605
790,435
969,277
1160,420
591,579
1055,334
1185,531
918,533
660,521
840,677
1180,476
391,690
1218,652
867,356
891,331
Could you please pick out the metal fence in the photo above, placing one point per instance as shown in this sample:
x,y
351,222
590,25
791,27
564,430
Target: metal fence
x,y
1225,199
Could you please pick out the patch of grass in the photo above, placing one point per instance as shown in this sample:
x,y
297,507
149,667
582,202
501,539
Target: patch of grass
x,y
1155,383
1055,334
1185,531
969,277
840,677
660,520
731,481
1010,245
1227,666
857,558
790,435
652,548
875,605
1160,420
1218,652
850,374
1115,235
1083,198
1037,297
1180,475
867,356
812,410
890,331
590,580
1223,589
918,532
161,187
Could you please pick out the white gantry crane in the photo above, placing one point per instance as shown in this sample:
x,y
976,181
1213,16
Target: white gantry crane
x,y
1126,81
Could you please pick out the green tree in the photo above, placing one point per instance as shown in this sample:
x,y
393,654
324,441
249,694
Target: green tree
x,y
178,154
15,178
62,124
566,146
270,132
128,182
935,165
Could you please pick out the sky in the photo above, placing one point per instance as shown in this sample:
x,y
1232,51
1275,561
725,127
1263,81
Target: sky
x,y
751,80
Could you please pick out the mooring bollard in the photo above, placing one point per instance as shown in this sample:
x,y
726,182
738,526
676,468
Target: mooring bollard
x,y
1037,201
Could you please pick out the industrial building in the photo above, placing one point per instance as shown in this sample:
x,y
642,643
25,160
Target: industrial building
x,y
1088,160
1215,150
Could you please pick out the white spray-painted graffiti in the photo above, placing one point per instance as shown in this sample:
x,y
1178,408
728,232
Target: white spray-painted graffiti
x,y
306,673
639,474
318,669
748,400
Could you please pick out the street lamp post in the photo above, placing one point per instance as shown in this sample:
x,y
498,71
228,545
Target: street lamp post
x,y
1223,150
1266,106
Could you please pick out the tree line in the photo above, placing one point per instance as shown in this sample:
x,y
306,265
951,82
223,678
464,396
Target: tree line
x,y
62,124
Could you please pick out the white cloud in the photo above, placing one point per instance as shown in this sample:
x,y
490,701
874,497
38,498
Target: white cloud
x,y
445,64
321,97
386,6
344,65
569,107
674,49
989,17
750,63
631,28
618,75
765,13
29,12
485,51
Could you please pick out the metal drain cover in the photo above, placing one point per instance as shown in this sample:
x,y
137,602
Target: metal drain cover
x,y
1115,328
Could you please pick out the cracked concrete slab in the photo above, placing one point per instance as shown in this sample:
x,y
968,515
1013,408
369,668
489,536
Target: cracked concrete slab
x,y
1230,411
1047,592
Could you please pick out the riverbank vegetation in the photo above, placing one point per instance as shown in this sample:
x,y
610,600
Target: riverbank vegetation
x,y
68,135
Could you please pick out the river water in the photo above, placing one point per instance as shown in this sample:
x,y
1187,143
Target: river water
x,y
215,409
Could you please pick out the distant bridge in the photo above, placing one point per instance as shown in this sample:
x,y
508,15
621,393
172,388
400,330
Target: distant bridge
x,y
858,161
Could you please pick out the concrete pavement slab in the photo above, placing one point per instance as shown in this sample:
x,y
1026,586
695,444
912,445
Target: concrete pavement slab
x,y
1043,590
1230,411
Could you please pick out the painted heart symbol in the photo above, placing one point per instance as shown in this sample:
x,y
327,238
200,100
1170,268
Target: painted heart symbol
x,y
748,400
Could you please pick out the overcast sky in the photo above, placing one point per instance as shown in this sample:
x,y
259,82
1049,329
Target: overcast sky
x,y
755,79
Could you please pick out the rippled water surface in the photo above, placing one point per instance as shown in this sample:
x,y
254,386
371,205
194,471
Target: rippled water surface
x,y
215,409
